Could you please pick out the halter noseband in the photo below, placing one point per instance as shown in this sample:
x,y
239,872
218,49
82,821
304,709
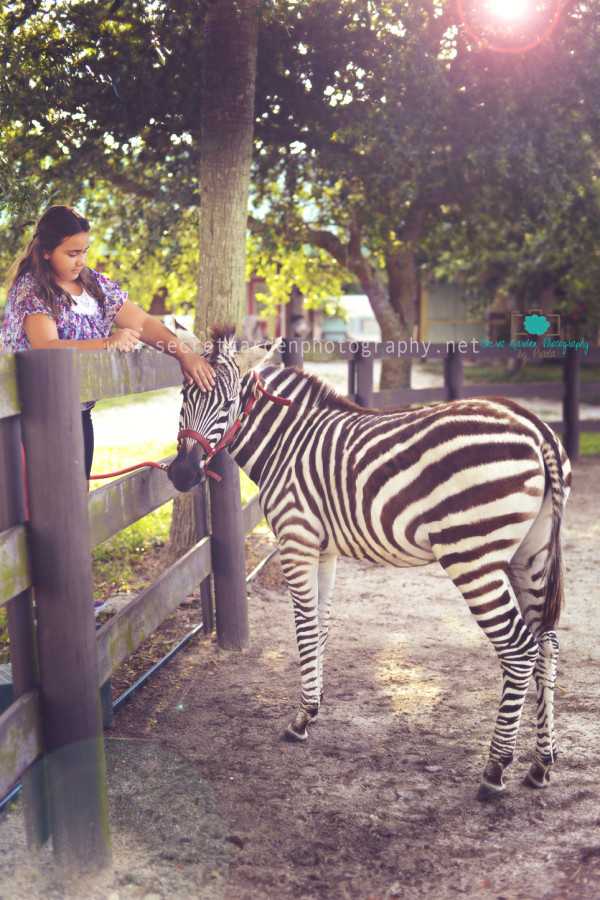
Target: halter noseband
x,y
230,435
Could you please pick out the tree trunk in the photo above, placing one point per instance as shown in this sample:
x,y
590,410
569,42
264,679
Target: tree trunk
x,y
402,286
394,310
393,304
228,79
183,525
226,134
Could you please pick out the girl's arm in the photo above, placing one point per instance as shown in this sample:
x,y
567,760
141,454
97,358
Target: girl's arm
x,y
42,333
194,367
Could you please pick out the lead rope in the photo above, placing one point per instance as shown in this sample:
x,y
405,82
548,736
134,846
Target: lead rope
x,y
144,465
141,465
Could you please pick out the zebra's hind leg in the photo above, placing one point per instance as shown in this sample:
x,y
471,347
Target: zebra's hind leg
x,y
517,661
544,675
491,598
526,574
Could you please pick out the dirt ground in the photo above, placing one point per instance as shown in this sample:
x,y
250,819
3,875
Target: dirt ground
x,y
208,801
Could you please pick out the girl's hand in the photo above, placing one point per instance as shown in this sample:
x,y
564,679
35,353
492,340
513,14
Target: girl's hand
x,y
196,369
124,340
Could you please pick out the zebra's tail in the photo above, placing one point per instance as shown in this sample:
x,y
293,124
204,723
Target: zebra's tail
x,y
552,574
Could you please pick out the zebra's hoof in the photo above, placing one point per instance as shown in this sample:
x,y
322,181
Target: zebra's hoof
x,y
486,792
293,736
538,776
492,782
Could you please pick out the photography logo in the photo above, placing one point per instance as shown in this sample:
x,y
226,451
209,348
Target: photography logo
x,y
534,324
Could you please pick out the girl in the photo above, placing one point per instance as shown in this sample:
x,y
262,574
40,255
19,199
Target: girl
x,y
56,301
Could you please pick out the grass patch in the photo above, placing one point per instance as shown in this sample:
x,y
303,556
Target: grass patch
x,y
113,459
496,372
135,399
547,373
117,563
589,443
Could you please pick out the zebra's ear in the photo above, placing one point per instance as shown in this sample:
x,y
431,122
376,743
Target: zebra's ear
x,y
189,338
254,357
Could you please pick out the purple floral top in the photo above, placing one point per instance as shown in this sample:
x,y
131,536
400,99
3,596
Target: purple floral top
x,y
80,322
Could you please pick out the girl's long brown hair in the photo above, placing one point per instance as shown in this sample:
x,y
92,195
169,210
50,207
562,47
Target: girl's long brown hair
x,y
57,223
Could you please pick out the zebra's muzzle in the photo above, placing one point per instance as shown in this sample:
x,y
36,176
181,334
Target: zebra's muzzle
x,y
187,470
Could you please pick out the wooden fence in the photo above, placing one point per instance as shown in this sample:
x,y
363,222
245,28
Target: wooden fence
x,y
58,659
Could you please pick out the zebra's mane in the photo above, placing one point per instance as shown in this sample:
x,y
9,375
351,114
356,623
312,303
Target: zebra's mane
x,y
221,334
309,388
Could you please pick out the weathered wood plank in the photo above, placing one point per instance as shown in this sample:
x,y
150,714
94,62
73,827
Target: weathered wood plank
x,y
589,389
114,374
252,515
117,505
401,397
20,739
124,633
587,425
15,575
9,397
546,390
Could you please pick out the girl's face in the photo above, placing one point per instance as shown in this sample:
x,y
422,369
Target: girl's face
x,y
68,259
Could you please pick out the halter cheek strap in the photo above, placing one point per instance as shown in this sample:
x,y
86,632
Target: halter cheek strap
x,y
230,435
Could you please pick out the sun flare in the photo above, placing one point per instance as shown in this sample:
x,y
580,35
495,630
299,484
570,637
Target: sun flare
x,y
509,9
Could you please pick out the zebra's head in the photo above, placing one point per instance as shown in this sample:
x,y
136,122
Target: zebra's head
x,y
208,419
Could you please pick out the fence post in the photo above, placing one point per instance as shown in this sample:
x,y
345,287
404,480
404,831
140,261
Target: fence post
x,y
21,628
292,352
228,555
363,373
59,533
351,390
453,374
571,380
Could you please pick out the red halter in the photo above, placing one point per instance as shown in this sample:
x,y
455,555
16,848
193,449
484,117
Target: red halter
x,y
230,435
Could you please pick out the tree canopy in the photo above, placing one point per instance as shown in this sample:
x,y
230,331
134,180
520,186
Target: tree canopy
x,y
391,132
386,134
101,107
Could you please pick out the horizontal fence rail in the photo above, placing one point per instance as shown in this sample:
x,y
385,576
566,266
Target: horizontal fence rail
x,y
9,395
118,504
14,563
20,739
105,375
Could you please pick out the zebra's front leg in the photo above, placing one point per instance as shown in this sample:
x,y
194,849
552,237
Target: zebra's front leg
x,y
544,675
301,569
326,577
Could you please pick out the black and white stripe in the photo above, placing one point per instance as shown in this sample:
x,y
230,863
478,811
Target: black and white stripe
x,y
478,485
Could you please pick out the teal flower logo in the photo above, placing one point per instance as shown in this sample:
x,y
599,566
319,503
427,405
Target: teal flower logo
x,y
535,324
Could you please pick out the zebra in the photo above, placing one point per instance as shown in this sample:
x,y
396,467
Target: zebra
x,y
477,485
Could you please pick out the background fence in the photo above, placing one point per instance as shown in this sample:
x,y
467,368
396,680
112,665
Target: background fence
x,y
570,391
58,659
